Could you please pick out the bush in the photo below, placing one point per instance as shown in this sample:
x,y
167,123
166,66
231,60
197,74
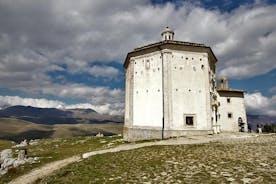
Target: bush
x,y
269,128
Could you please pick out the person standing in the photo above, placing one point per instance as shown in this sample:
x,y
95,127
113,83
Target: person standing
x,y
249,128
259,127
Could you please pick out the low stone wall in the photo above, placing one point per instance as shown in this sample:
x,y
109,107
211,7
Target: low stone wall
x,y
136,134
179,133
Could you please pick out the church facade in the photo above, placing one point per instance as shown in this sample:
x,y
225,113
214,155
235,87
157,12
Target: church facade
x,y
171,91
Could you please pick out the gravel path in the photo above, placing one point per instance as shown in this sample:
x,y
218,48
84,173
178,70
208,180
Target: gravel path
x,y
44,171
50,168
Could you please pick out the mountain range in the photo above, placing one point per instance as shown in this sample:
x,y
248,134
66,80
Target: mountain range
x,y
25,122
50,116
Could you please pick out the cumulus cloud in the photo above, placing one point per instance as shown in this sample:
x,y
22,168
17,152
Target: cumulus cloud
x,y
38,37
103,109
42,103
79,66
76,34
258,104
6,101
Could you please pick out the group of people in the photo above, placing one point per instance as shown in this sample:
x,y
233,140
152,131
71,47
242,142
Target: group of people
x,y
249,128
258,130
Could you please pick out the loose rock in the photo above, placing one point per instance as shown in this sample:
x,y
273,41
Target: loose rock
x,y
7,153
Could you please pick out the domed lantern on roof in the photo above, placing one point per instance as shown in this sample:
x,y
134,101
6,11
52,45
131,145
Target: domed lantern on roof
x,y
167,34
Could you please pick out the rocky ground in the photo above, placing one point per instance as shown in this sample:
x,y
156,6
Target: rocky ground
x,y
54,152
223,160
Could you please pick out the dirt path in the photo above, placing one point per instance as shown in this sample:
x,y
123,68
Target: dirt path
x,y
49,168
44,171
176,141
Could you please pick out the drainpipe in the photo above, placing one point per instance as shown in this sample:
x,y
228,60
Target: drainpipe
x,y
163,108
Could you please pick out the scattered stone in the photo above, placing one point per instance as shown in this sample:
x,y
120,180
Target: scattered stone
x,y
263,164
7,153
22,144
246,180
81,141
30,160
230,179
163,173
2,172
226,174
22,154
213,173
109,145
8,162
99,135
17,163
33,142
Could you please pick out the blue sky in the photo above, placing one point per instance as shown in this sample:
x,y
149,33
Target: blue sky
x,y
69,54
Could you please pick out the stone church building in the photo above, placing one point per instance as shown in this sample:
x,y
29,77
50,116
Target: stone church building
x,y
171,91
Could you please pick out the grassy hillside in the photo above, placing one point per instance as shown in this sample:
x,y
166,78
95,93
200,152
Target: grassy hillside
x,y
69,130
5,144
49,150
253,161
18,130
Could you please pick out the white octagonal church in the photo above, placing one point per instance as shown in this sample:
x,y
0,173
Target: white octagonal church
x,y
171,91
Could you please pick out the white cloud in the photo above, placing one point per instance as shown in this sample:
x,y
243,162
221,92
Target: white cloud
x,y
6,101
94,95
104,71
42,103
80,66
37,37
258,104
77,34
103,109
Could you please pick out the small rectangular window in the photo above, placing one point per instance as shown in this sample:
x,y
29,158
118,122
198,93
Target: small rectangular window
x,y
228,100
148,64
229,115
189,120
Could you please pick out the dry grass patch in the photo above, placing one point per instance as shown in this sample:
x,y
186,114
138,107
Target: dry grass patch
x,y
251,161
49,150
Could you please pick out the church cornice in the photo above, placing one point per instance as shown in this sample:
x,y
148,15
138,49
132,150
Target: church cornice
x,y
173,45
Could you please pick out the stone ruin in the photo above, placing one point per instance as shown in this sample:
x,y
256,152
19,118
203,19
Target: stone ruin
x,y
8,161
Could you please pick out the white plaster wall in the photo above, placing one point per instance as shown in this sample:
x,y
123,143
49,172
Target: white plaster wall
x,y
190,90
236,107
147,91
128,94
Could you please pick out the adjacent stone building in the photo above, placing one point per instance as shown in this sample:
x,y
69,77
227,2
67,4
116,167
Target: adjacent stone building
x,y
171,91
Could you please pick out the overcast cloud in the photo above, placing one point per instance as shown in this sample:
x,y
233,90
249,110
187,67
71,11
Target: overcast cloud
x,y
39,37
257,104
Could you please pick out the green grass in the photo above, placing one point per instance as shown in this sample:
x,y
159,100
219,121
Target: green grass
x,y
5,144
49,150
204,163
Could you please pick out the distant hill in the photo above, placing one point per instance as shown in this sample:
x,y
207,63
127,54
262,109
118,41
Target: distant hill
x,y
18,130
51,116
260,119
